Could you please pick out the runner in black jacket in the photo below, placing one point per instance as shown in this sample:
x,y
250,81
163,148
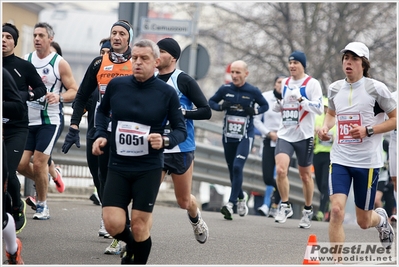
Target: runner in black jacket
x,y
13,108
117,62
141,105
15,131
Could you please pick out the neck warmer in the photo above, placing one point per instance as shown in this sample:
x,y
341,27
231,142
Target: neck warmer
x,y
277,94
119,58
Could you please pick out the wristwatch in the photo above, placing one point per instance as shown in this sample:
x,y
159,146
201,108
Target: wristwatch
x,y
165,141
369,131
31,95
61,99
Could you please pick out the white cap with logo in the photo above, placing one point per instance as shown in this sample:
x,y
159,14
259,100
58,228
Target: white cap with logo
x,y
358,48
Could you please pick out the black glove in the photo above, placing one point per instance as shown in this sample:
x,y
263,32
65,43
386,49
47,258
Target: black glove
x,y
225,105
71,138
249,110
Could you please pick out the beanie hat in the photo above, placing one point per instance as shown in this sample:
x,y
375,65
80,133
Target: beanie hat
x,y
170,46
126,26
298,56
360,49
106,44
13,32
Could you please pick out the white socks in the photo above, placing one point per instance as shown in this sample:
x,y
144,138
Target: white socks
x,y
9,235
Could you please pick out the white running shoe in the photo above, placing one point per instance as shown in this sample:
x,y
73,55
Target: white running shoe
x,y
306,219
263,210
285,211
200,228
272,212
386,231
42,212
227,211
242,208
102,232
114,248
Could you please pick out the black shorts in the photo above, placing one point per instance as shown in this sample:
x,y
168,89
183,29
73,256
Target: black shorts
x,y
177,163
123,187
42,138
381,185
303,150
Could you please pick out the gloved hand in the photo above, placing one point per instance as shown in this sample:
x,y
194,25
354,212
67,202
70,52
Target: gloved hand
x,y
249,110
71,138
226,105
296,93
277,107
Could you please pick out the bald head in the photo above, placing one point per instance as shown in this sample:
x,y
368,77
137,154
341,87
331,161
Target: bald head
x,y
240,64
239,72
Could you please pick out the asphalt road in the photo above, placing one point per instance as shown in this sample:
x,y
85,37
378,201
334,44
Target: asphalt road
x,y
70,237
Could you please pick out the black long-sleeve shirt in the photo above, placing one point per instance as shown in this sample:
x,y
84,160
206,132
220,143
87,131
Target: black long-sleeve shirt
x,y
13,107
25,75
189,87
150,103
86,88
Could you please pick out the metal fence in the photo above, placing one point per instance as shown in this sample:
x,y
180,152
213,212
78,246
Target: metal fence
x,y
210,164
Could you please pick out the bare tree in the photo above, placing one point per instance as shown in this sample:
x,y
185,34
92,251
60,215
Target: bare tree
x,y
265,33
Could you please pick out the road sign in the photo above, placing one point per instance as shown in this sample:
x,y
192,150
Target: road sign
x,y
165,26
227,75
202,62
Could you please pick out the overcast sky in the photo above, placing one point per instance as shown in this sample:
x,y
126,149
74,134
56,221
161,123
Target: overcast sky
x,y
96,5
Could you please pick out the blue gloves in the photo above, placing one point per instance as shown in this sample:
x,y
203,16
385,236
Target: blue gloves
x,y
71,138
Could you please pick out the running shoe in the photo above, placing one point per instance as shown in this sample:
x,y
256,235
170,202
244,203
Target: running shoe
x,y
127,257
285,211
114,248
20,217
242,208
31,201
227,211
386,232
59,183
96,200
263,210
102,231
273,212
306,219
16,258
327,216
319,216
200,228
42,212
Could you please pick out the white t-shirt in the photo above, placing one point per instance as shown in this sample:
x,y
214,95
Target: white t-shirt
x,y
393,137
268,121
298,119
354,103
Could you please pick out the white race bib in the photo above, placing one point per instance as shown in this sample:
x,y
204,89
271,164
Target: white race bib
x,y
236,126
290,114
131,138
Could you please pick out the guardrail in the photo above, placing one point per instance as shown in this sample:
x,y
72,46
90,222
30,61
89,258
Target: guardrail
x,y
210,164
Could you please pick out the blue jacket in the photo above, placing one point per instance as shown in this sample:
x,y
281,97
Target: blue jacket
x,y
240,98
